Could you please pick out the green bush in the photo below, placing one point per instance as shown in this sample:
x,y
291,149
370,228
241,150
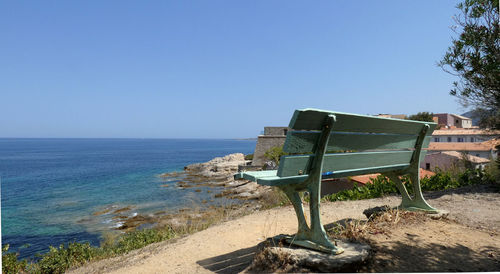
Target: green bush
x,y
75,254
10,264
249,157
274,154
141,238
58,260
381,185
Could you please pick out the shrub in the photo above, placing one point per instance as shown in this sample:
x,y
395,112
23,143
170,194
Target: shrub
x,y
381,185
58,260
274,154
10,264
140,238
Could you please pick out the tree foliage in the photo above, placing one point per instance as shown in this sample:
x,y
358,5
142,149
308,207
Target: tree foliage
x,y
422,116
474,57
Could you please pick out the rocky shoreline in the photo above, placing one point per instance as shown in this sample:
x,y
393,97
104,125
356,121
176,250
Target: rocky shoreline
x,y
216,175
219,172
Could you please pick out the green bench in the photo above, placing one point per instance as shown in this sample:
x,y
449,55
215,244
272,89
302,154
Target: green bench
x,y
368,145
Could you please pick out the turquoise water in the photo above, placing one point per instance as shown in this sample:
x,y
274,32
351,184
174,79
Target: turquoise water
x,y
51,187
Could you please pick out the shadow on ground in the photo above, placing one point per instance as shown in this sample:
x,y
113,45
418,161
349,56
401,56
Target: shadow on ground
x,y
403,257
233,262
392,253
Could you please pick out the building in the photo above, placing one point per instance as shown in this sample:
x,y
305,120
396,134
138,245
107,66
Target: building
x,y
364,179
273,137
486,149
453,120
451,159
461,135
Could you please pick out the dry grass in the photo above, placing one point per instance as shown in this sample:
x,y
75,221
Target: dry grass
x,y
273,198
359,230
271,258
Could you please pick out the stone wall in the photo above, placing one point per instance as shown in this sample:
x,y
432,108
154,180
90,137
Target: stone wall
x,y
264,143
275,131
273,137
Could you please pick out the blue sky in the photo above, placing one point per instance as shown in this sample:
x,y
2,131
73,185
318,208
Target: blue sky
x,y
214,69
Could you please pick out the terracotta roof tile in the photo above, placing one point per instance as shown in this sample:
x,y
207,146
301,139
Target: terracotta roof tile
x,y
461,146
463,131
472,158
364,179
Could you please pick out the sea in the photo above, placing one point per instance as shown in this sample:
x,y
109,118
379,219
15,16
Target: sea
x,y
52,188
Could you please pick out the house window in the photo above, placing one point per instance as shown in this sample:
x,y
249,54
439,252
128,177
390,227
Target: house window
x,y
449,139
460,139
472,139
428,166
477,154
285,131
436,139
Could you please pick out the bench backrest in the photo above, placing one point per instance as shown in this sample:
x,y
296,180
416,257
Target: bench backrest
x,y
366,143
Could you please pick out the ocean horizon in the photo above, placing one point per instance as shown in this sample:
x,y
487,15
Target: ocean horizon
x,y
52,187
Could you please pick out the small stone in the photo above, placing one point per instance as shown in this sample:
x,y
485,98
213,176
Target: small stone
x,y
375,211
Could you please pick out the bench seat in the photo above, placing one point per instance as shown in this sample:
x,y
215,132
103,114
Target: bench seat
x,y
270,177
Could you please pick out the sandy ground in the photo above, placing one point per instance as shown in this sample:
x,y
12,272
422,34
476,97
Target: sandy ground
x,y
468,241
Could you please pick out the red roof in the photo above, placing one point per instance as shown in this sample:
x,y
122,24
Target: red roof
x,y
364,179
463,146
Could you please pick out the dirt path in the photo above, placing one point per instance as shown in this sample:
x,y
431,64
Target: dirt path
x,y
229,247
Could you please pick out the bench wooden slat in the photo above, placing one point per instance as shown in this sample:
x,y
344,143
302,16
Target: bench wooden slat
x,y
293,165
312,119
305,141
280,181
255,175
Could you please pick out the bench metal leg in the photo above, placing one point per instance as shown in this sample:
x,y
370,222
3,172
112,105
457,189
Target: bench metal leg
x,y
313,237
294,197
318,234
417,203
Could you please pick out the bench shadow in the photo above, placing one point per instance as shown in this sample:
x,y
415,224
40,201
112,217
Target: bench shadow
x,y
237,261
433,257
232,262
416,256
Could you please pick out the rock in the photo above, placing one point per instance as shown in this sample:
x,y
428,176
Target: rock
x,y
441,214
375,211
274,256
227,165
219,172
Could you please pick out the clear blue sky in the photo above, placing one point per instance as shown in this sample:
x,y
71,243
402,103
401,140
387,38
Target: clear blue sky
x,y
214,69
